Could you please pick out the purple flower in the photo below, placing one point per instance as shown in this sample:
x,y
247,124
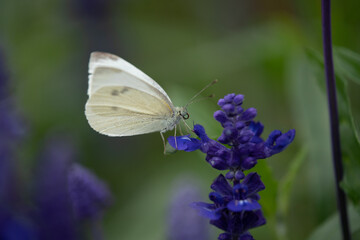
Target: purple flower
x,y
14,223
67,194
89,195
54,213
184,143
234,208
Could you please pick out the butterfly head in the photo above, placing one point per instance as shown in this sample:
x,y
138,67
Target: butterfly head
x,y
182,112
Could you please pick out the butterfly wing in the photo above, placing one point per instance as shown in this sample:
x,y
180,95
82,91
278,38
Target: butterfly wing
x,y
123,101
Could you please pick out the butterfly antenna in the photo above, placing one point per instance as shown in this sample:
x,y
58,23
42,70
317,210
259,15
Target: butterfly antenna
x,y
207,86
200,99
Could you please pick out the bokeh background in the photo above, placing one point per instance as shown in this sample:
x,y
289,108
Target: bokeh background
x,y
257,48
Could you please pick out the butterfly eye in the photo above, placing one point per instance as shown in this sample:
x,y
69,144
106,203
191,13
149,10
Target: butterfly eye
x,y
186,116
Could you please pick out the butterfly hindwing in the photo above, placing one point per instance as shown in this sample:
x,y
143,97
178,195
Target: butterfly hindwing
x,y
124,111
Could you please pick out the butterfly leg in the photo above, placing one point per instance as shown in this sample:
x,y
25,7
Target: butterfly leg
x,y
188,128
163,139
175,138
180,130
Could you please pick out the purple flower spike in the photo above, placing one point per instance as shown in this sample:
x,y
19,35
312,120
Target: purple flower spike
x,y
235,208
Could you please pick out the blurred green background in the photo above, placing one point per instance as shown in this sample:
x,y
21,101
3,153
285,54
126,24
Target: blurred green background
x,y
256,48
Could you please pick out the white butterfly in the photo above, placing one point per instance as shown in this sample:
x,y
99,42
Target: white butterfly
x,y
124,101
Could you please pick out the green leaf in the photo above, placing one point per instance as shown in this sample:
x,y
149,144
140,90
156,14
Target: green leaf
x,y
347,65
353,90
286,184
351,159
330,229
317,68
347,71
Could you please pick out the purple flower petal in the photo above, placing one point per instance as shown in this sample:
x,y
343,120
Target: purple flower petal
x,y
277,141
229,98
249,114
253,183
220,116
207,210
243,205
200,131
184,143
238,99
221,223
252,219
257,128
221,185
217,198
218,163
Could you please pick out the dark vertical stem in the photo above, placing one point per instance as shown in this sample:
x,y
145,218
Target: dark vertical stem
x,y
333,111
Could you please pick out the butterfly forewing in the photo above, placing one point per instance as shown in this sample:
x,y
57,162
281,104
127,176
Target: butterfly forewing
x,y
107,69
